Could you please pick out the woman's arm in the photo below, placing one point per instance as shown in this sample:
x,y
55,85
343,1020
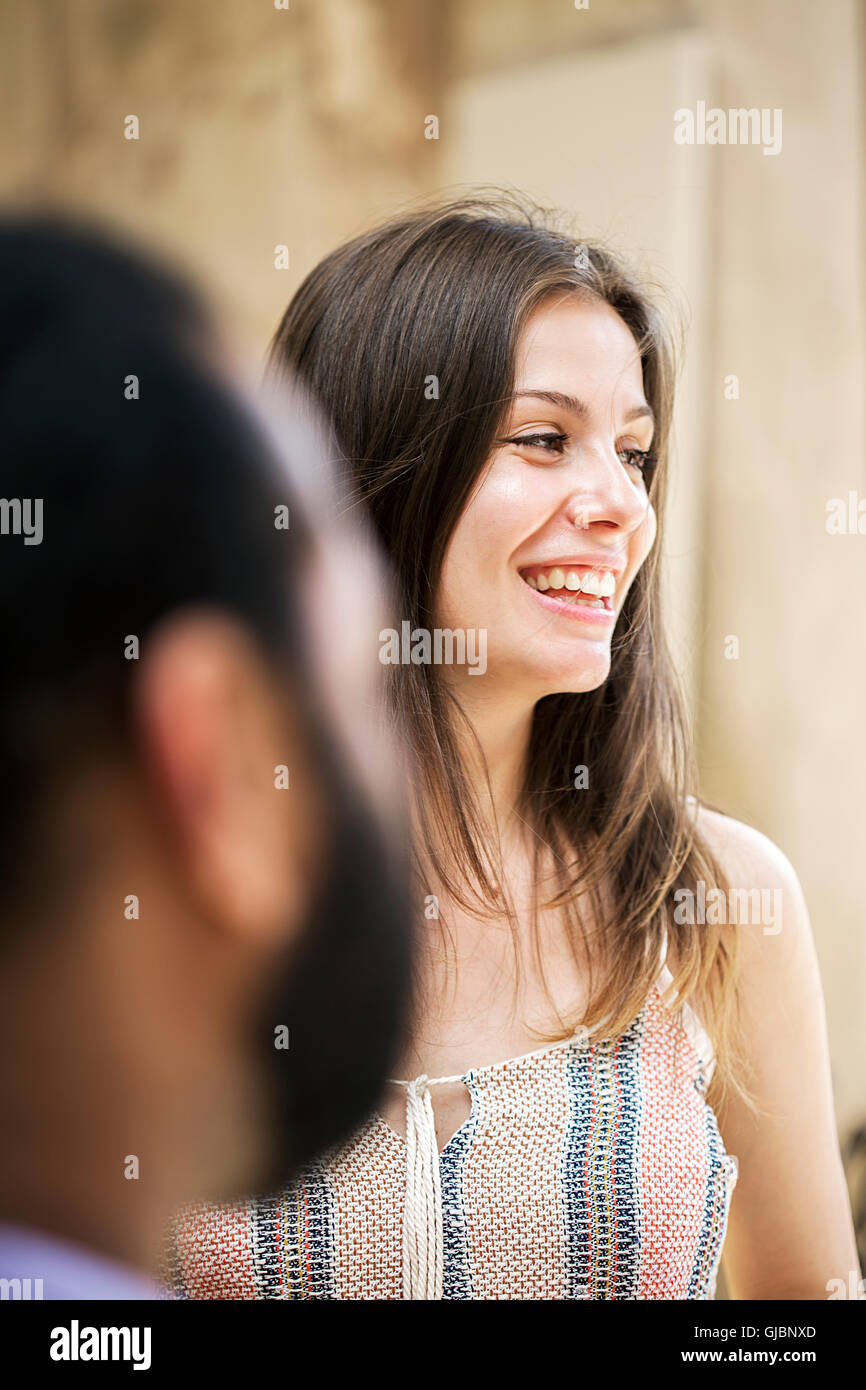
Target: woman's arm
x,y
790,1230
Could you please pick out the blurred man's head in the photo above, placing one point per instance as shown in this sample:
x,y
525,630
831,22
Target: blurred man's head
x,y
197,864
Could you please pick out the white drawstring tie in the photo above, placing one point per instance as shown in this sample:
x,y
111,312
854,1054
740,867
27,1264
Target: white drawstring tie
x,y
423,1229
423,1234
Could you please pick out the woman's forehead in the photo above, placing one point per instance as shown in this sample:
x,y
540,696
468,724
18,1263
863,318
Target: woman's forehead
x,y
582,349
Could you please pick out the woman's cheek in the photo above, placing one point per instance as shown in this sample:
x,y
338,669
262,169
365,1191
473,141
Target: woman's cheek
x,y
485,532
647,531
507,509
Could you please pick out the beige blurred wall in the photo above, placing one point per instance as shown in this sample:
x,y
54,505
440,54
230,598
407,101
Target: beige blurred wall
x,y
262,127
258,127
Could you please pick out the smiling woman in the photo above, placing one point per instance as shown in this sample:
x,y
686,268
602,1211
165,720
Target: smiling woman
x,y
580,1036
584,462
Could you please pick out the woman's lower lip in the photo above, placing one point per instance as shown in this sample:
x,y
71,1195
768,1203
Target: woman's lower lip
x,y
569,608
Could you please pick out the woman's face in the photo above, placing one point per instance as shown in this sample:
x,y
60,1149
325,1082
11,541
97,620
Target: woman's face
x,y
560,521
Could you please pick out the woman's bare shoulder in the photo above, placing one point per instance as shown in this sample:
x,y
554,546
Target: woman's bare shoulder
x,y
763,894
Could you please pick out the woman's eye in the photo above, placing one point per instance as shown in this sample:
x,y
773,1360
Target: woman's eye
x,y
551,443
642,459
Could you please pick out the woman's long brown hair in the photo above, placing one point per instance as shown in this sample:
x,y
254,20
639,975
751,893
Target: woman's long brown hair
x,y
445,292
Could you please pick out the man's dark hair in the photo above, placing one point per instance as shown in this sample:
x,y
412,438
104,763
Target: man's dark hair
x,y
158,492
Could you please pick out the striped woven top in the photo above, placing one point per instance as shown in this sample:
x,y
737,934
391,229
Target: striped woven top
x,y
585,1170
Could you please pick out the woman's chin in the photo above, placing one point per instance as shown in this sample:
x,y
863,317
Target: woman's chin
x,y
574,679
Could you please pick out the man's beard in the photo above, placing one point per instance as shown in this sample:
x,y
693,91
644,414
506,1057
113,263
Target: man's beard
x,y
344,993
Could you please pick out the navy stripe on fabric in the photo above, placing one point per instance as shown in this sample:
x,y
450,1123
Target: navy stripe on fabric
x,y
714,1221
294,1241
599,1170
457,1283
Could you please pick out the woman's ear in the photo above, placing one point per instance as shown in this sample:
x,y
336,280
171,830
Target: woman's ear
x,y
229,768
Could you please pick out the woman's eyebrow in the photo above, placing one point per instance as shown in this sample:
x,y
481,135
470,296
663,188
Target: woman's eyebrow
x,y
580,409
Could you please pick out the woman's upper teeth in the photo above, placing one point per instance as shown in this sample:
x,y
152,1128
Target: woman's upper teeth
x,y
598,583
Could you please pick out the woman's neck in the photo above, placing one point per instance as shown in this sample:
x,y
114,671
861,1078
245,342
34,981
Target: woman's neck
x,y
502,730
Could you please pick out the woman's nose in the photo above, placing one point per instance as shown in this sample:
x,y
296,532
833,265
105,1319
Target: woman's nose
x,y
606,490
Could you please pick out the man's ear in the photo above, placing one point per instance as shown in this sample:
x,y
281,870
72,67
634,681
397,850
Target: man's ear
x,y
216,730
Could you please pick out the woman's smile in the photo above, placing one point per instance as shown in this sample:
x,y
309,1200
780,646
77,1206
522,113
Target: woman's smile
x,y
576,589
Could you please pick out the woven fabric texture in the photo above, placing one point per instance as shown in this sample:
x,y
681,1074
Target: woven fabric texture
x,y
587,1170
